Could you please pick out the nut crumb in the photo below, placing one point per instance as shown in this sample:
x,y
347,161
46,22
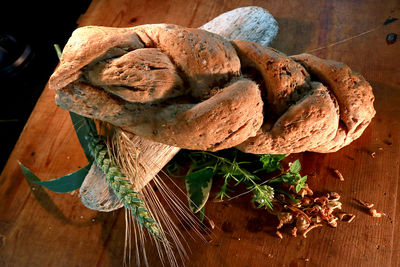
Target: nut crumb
x,y
339,174
284,218
279,234
334,196
310,228
333,222
210,223
210,240
372,212
346,217
341,215
376,214
373,154
366,204
294,231
351,218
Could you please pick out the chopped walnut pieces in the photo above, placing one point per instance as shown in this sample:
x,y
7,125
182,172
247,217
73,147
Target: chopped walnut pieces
x,y
299,212
306,201
334,205
333,222
284,218
339,174
316,219
302,192
334,196
305,212
302,224
308,190
321,200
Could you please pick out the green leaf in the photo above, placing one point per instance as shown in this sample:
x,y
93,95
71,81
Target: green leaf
x,y
202,214
303,180
198,185
301,183
295,167
83,126
58,50
271,162
64,184
298,187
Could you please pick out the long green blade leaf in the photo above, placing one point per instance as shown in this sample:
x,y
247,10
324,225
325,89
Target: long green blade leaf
x,y
198,185
83,126
64,184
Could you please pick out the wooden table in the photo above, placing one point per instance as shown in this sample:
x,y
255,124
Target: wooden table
x,y
42,228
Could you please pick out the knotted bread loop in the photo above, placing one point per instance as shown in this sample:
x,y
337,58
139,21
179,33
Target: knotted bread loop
x,y
193,89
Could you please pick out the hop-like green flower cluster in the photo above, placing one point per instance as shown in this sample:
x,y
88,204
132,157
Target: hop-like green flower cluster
x,y
263,195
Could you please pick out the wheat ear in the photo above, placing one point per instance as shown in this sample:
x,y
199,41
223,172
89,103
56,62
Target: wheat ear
x,y
121,186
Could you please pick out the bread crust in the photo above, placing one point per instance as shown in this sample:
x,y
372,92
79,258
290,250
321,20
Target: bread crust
x,y
353,93
193,89
304,126
284,80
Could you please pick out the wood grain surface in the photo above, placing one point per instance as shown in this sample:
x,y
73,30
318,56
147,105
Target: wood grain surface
x,y
42,228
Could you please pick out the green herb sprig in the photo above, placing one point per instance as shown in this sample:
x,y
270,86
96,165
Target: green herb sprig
x,y
235,168
292,177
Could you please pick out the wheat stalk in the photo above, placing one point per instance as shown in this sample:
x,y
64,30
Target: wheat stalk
x,y
165,206
121,186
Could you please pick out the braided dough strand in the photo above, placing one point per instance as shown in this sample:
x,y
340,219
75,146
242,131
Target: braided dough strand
x,y
194,89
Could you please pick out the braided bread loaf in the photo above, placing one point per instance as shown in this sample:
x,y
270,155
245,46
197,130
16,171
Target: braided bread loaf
x,y
193,89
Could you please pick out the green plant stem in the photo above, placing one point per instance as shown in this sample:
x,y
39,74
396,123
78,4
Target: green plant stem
x,y
262,194
249,176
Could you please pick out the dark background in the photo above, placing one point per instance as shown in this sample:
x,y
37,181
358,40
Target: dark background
x,y
39,25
